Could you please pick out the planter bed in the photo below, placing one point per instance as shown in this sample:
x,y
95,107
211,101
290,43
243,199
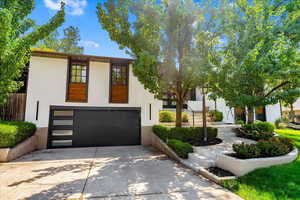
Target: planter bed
x,y
27,146
240,167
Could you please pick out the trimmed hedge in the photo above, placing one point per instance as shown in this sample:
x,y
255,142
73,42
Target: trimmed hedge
x,y
276,146
256,131
189,135
185,117
216,115
182,149
166,116
14,132
169,116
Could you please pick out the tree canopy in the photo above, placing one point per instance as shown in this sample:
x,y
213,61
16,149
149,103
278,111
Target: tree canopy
x,y
166,38
69,43
259,53
17,35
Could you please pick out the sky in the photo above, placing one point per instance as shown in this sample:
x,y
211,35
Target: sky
x,y
82,14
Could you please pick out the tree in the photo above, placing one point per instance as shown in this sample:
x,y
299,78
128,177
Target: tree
x,y
50,42
258,56
162,39
68,44
17,35
288,97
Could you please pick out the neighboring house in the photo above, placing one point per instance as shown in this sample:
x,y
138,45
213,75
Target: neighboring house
x,y
296,108
268,113
80,101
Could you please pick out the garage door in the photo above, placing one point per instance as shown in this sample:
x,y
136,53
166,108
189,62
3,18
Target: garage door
x,y
90,126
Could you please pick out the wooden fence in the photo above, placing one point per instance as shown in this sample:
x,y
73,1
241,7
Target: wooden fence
x,y
14,109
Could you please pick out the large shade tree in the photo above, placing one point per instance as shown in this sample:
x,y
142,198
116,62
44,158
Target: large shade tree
x,y
69,43
258,54
17,35
162,36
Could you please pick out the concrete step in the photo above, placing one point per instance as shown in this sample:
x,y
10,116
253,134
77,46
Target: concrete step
x,y
200,161
207,153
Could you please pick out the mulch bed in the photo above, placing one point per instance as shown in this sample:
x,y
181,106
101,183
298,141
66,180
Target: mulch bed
x,y
208,143
219,172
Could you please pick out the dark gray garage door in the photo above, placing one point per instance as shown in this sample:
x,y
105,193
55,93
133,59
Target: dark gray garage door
x,y
90,126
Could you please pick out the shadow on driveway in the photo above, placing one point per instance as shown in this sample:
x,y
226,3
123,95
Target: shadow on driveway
x,y
122,173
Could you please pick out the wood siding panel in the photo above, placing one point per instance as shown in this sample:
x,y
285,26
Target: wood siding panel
x,y
77,92
14,109
119,94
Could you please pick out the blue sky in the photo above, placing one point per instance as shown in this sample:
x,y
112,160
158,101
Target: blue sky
x,y
82,14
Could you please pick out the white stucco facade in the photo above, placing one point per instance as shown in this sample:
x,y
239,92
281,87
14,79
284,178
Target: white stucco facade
x,y
47,84
272,111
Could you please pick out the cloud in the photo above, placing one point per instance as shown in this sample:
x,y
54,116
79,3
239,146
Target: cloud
x,y
73,7
90,44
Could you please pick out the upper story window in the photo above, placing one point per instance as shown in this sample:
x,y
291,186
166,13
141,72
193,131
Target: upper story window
x,y
119,83
77,87
78,73
119,75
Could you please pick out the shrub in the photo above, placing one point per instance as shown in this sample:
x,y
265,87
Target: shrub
x,y
266,127
279,123
189,135
161,131
185,117
246,150
166,116
276,146
14,132
182,149
240,122
216,116
256,131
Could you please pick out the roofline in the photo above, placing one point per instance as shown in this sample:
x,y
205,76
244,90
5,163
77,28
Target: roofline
x,y
89,57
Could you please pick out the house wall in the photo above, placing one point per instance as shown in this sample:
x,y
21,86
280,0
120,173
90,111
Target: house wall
x,y
47,84
273,112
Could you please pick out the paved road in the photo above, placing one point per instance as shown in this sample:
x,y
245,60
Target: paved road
x,y
104,173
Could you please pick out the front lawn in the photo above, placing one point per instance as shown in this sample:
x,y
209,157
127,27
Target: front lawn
x,y
273,183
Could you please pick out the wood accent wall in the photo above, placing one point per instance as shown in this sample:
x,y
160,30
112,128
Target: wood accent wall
x,y
77,92
14,109
119,93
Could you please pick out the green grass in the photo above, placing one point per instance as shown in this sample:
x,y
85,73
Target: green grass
x,y
274,183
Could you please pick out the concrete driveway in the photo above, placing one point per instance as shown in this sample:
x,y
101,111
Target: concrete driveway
x,y
104,173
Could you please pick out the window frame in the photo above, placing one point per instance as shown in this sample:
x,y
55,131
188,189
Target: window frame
x,y
126,65
86,63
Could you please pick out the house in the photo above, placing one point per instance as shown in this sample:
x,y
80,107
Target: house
x,y
194,104
82,101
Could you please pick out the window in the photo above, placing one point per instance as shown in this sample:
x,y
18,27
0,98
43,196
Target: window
x,y
119,75
77,88
78,73
119,83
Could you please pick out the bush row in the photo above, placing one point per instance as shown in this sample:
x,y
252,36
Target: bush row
x,y
188,135
14,132
182,139
169,116
182,149
275,146
215,115
256,131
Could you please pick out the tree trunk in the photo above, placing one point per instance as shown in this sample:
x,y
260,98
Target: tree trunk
x,y
204,115
179,105
216,105
250,114
292,113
